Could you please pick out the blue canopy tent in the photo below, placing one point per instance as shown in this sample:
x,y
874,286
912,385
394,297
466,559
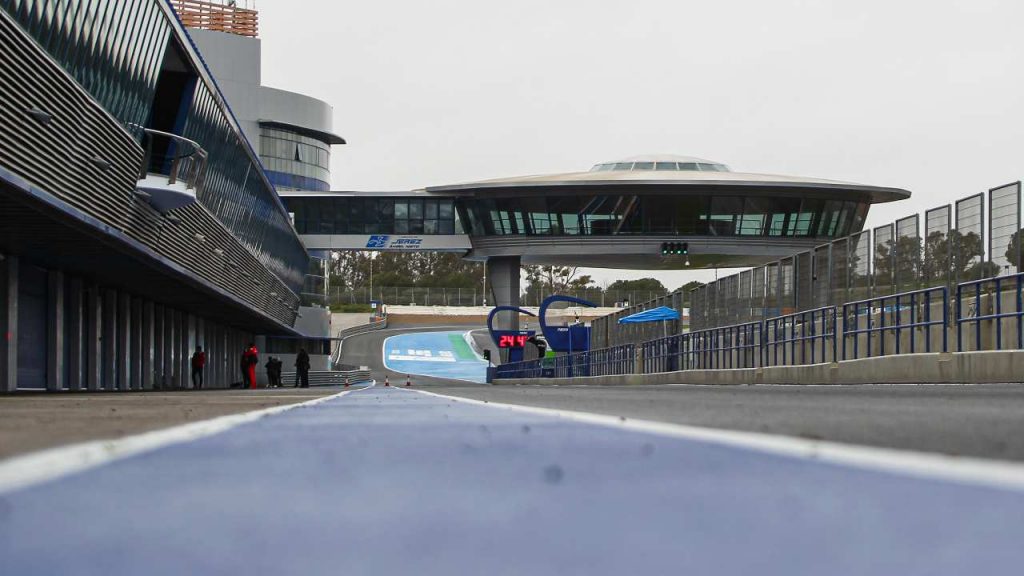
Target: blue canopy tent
x,y
653,315
660,314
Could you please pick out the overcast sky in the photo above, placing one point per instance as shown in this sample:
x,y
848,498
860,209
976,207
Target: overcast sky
x,y
923,95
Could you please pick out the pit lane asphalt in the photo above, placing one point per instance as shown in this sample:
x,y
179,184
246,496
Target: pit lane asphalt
x,y
391,481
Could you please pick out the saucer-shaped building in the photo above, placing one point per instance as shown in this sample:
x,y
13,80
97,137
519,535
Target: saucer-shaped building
x,y
618,214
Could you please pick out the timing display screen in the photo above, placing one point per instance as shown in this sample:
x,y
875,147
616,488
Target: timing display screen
x,y
512,340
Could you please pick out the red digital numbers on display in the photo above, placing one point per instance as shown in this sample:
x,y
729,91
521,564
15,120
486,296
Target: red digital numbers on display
x,y
512,341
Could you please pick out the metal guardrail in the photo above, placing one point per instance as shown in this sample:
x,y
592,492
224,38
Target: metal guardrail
x,y
525,369
174,156
601,362
615,360
907,312
802,337
736,346
727,347
664,354
988,294
327,377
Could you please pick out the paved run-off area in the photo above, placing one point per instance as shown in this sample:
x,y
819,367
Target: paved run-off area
x,y
391,481
442,354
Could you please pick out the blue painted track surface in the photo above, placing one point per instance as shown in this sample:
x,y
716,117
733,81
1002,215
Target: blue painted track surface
x,y
389,481
437,354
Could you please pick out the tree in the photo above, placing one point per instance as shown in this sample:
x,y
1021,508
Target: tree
x,y
686,288
968,255
908,263
640,285
542,281
883,264
635,291
351,270
938,265
1013,254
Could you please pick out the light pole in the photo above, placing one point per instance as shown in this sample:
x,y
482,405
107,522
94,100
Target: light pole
x,y
371,274
335,256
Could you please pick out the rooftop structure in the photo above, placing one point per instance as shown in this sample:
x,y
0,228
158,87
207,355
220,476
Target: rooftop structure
x,y
661,163
224,16
293,133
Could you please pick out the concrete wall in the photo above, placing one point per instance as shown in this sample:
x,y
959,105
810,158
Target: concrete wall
x,y
314,322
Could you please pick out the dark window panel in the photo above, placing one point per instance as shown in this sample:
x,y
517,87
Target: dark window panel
x,y
445,211
430,209
416,209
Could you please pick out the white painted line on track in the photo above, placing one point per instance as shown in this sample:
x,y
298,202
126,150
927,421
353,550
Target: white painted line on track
x,y
36,467
978,471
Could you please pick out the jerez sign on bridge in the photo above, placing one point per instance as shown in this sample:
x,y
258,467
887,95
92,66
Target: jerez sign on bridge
x,y
384,242
431,242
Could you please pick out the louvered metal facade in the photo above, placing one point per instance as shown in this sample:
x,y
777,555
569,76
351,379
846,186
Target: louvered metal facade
x,y
95,78
115,294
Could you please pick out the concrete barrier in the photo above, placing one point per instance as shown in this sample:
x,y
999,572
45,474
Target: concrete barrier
x,y
329,377
934,368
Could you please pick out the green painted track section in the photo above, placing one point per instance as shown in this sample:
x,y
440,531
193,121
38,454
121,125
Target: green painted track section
x,y
461,348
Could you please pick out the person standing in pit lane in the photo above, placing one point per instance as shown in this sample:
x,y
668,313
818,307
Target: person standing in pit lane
x,y
249,361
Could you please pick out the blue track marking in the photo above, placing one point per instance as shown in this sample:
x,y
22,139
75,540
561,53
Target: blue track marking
x,y
388,481
438,354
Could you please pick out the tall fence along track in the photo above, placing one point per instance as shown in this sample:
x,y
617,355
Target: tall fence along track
x,y
980,316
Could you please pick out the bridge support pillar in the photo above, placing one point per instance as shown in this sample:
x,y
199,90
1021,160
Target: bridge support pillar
x,y
503,274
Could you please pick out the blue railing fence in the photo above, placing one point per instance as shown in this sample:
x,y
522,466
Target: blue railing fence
x,y
909,322
807,337
988,314
602,362
737,346
985,314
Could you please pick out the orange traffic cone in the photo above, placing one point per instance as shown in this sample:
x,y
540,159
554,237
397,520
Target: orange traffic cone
x,y
386,382
408,381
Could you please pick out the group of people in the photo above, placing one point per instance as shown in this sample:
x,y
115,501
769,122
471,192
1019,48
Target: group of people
x,y
249,360
273,367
